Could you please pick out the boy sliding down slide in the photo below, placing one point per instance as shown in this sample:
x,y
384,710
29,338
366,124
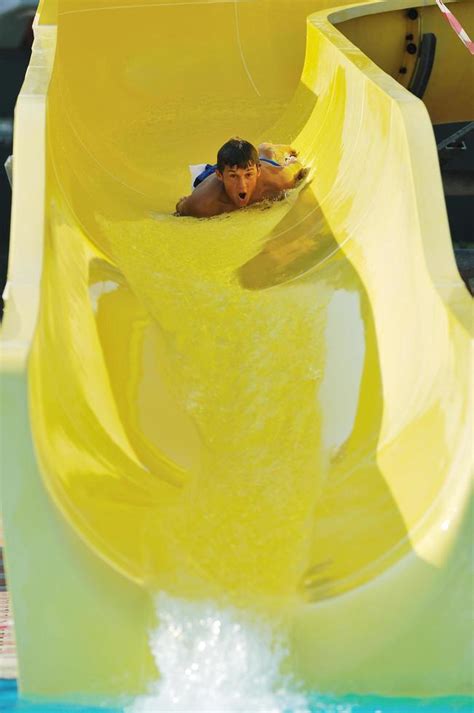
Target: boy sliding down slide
x,y
242,176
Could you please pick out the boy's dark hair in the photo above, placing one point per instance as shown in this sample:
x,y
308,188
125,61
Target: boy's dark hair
x,y
237,152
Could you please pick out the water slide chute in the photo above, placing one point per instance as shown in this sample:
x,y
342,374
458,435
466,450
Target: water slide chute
x,y
270,407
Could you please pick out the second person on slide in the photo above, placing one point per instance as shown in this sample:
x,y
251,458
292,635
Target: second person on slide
x,y
242,176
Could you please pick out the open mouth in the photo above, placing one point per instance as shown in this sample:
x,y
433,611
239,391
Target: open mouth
x,y
242,197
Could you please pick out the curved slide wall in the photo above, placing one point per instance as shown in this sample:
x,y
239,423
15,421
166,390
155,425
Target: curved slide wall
x,y
270,407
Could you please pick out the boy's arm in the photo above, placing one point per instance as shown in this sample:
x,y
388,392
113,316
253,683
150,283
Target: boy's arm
x,y
289,176
196,206
189,206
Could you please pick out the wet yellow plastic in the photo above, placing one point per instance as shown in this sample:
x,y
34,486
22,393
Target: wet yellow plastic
x,y
270,407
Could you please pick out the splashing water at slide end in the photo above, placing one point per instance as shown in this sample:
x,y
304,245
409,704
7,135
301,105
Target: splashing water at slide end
x,y
270,408
213,660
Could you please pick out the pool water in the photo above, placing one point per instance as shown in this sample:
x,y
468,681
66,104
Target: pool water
x,y
9,701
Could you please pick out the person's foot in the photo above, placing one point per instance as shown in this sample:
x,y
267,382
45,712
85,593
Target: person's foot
x,y
285,154
286,149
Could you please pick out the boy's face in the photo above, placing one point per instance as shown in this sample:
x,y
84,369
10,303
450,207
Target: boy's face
x,y
239,183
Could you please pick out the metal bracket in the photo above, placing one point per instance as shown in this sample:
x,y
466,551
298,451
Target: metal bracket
x,y
450,147
412,42
452,142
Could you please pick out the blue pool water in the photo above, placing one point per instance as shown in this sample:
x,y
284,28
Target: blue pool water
x,y
9,701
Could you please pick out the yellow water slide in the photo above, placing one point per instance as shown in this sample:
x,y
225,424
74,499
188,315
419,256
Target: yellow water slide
x,y
270,408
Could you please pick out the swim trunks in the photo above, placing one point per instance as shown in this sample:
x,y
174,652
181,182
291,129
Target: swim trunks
x,y
211,168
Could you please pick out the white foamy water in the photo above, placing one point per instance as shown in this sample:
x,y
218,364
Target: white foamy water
x,y
217,660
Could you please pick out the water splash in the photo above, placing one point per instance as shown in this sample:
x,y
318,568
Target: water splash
x,y
217,660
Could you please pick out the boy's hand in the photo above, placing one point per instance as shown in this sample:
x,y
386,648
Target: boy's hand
x,y
302,173
179,206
